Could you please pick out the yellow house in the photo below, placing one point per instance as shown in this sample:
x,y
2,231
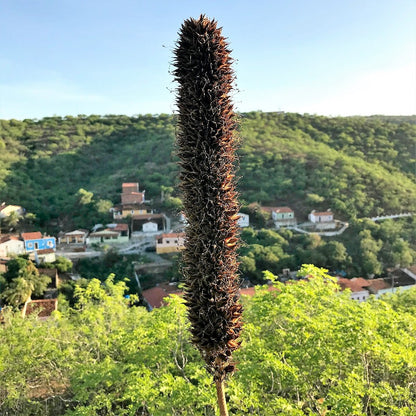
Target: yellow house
x,y
170,243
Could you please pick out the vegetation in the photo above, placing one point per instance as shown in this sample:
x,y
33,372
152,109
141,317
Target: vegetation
x,y
307,349
74,166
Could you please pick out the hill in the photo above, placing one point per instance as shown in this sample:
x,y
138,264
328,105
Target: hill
x,y
355,165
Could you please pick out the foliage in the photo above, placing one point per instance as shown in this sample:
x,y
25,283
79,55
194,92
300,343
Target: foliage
x,y
121,265
21,280
358,166
308,350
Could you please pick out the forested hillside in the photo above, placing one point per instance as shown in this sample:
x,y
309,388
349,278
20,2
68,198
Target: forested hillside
x,y
357,166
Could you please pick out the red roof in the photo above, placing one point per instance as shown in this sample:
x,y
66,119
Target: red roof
x,y
5,238
147,216
45,307
121,227
322,214
32,236
155,295
276,209
356,284
377,284
173,235
45,251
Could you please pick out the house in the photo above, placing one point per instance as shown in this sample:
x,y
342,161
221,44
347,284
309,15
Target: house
x,y
6,210
130,194
74,237
358,286
155,296
107,235
122,228
244,220
281,216
35,241
323,220
124,211
170,243
150,227
11,245
42,307
46,255
132,201
137,222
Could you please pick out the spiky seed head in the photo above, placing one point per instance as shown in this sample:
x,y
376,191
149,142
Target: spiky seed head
x,y
206,142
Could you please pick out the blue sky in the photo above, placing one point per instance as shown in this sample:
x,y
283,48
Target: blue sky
x,y
329,57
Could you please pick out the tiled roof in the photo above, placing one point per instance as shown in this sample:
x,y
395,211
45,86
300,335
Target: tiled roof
x,y
322,214
276,209
77,232
129,184
5,238
377,284
121,227
173,235
32,236
45,251
155,295
45,307
356,284
147,216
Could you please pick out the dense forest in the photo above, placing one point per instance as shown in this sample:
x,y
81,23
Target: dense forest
x,y
308,349
68,173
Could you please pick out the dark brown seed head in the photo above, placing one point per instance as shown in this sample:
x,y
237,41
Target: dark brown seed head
x,y
206,142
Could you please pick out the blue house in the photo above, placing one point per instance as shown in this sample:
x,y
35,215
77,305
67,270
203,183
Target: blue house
x,y
35,241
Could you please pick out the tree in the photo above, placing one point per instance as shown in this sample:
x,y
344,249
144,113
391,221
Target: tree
x,y
23,279
206,140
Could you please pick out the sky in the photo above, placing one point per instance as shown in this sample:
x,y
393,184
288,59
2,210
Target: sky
x,y
326,57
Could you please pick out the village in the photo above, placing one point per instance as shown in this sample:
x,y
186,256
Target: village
x,y
137,227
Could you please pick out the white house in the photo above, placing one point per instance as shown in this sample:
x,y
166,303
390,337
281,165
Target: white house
x,y
11,245
325,216
244,220
170,243
323,220
74,237
6,210
281,216
149,227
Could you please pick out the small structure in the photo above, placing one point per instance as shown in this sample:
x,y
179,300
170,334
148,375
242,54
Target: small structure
x,y
46,255
132,201
121,228
74,237
155,296
150,227
357,285
6,210
281,216
170,243
11,245
138,221
244,220
108,235
35,241
124,211
42,307
322,220
53,274
130,194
